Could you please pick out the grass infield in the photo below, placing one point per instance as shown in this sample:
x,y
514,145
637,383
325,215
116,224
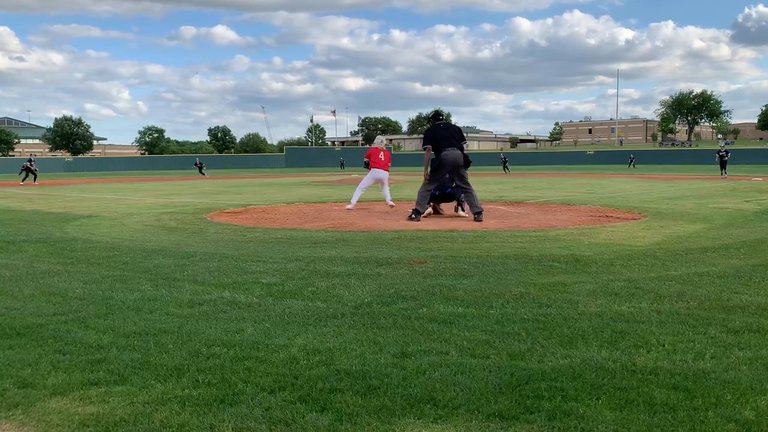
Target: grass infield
x,y
123,308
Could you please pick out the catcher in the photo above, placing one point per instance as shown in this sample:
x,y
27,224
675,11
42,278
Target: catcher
x,y
445,192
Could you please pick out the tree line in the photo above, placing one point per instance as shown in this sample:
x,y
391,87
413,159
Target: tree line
x,y
73,135
686,110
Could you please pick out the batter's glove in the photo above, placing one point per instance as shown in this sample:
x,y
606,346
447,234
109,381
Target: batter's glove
x,y
367,165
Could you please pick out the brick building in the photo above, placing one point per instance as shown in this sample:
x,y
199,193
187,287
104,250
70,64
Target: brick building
x,y
749,132
632,130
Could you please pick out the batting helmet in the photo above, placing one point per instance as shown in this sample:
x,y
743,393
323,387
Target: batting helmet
x,y
380,141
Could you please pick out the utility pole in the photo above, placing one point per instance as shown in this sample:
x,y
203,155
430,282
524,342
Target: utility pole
x,y
266,121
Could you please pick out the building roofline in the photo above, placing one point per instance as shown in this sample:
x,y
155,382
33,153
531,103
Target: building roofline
x,y
22,123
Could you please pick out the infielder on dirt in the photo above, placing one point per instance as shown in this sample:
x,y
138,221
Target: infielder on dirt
x,y
722,156
377,160
28,167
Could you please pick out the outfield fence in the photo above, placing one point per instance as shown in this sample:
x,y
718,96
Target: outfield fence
x,y
328,157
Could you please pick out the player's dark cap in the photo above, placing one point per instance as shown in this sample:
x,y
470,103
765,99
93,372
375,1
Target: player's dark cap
x,y
436,116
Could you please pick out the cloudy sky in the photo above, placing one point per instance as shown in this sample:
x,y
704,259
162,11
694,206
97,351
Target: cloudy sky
x,y
509,66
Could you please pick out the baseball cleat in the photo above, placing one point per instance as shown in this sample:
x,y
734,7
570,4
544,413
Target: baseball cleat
x,y
415,216
428,212
391,204
350,207
462,213
478,217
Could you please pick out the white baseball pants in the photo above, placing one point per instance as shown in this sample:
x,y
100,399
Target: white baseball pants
x,y
374,176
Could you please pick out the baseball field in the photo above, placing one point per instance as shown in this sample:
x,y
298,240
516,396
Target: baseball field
x,y
124,307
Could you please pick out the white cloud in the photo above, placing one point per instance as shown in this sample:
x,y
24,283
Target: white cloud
x,y
73,31
751,27
513,76
96,111
239,63
218,34
151,7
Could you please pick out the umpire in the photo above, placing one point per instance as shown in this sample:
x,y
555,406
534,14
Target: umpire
x,y
447,141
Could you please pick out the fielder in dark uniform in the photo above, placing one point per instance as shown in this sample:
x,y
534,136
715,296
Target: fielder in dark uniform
x,y
722,157
631,161
447,141
504,163
444,193
200,166
341,164
28,168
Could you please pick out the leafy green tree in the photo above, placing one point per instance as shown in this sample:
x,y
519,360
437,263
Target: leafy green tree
x,y
691,108
290,142
315,135
762,119
69,134
175,146
370,127
722,127
222,139
151,140
735,132
513,141
418,124
253,142
170,147
654,136
203,148
667,125
8,142
556,134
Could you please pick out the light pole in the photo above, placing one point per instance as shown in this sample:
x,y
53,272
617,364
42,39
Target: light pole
x,y
617,107
29,116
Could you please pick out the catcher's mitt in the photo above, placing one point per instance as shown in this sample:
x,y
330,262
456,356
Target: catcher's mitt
x,y
367,165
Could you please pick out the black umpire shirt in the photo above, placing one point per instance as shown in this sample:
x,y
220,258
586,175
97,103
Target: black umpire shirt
x,y
443,135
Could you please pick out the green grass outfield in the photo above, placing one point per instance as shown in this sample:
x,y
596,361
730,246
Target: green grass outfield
x,y
123,308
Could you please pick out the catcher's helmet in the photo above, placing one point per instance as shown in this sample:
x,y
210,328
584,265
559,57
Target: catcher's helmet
x,y
436,116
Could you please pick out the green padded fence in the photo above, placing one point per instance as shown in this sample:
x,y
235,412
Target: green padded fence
x,y
328,157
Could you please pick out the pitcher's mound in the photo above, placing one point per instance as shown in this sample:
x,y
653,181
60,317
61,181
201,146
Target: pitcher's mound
x,y
376,216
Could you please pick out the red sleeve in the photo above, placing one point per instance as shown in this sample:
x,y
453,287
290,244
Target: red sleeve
x,y
369,154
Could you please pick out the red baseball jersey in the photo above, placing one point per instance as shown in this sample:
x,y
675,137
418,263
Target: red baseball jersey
x,y
379,158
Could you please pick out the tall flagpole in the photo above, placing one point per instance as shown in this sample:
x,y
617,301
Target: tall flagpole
x,y
335,124
346,117
617,107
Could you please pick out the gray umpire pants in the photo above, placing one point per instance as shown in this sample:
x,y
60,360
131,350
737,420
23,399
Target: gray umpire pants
x,y
451,162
